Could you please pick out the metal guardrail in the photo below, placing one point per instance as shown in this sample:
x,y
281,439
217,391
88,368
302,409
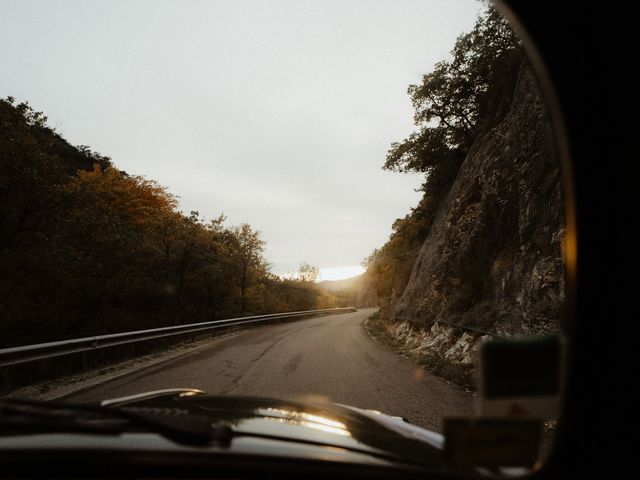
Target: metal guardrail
x,y
42,351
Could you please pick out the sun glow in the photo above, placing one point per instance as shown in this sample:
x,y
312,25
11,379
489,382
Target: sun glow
x,y
339,273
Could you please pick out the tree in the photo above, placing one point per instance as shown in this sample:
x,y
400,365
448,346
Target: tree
x,y
308,273
246,252
457,96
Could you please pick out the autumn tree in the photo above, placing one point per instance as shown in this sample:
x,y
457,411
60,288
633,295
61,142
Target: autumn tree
x,y
87,249
36,166
308,273
246,249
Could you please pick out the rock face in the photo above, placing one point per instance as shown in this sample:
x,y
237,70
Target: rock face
x,y
455,346
493,259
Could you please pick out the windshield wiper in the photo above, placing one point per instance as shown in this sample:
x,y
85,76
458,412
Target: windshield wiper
x,y
32,416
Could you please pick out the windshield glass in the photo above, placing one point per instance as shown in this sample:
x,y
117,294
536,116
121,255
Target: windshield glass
x,y
179,170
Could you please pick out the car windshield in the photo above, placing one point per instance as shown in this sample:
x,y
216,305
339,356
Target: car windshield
x,y
332,202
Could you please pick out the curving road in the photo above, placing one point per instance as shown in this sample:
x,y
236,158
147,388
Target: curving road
x,y
330,357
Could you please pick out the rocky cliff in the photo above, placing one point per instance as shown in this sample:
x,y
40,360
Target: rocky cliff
x,y
493,258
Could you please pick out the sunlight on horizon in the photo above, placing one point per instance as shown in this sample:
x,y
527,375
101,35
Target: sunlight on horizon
x,y
339,273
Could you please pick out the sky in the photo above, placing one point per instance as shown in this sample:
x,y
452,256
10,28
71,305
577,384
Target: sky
x,y
276,113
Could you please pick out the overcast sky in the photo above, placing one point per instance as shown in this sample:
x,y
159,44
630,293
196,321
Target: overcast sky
x,y
277,113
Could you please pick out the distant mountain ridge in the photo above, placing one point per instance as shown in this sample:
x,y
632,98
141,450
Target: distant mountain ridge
x,y
351,283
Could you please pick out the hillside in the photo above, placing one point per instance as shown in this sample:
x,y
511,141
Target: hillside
x,y
87,249
482,251
482,248
493,257
492,261
351,283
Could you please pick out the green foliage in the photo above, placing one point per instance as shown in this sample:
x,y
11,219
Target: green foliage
x,y
458,100
86,249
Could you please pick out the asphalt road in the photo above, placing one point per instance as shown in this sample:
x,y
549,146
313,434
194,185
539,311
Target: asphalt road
x,y
329,357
